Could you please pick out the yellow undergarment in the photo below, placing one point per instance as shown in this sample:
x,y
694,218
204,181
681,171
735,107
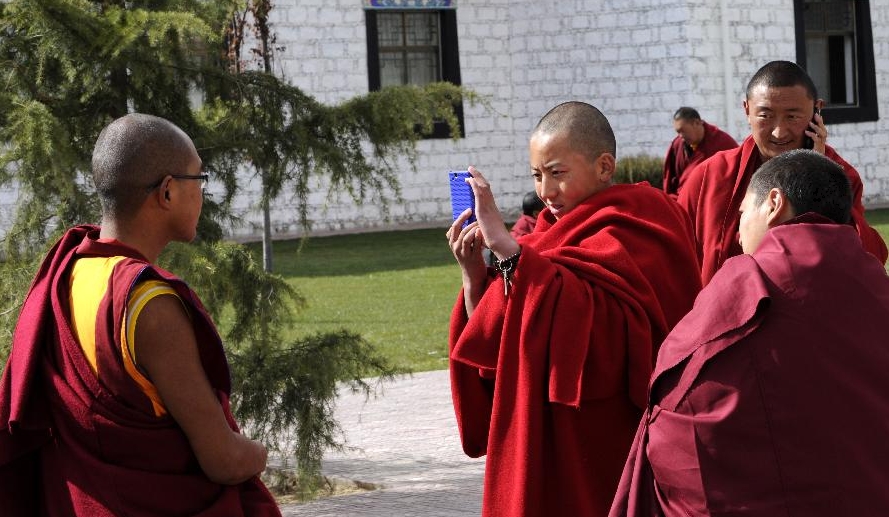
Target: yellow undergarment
x,y
89,285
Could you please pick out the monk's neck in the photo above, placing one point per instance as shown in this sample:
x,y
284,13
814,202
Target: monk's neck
x,y
136,236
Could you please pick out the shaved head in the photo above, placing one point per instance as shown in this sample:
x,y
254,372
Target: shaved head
x,y
586,128
132,154
782,74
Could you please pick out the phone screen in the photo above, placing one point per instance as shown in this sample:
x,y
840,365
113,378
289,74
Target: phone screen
x,y
462,196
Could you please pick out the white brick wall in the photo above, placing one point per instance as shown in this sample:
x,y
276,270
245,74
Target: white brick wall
x,y
637,60
8,197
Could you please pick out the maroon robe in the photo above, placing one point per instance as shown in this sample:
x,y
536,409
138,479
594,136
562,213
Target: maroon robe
x,y
680,157
770,397
549,381
72,443
712,197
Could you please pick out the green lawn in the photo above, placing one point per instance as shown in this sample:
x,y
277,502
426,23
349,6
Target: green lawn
x,y
394,288
879,219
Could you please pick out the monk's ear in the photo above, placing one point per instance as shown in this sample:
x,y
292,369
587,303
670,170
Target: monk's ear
x,y
161,195
780,209
607,164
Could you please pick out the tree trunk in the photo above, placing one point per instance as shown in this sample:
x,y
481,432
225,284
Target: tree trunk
x,y
261,12
266,237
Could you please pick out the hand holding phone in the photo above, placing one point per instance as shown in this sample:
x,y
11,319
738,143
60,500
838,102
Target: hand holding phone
x,y
462,196
808,143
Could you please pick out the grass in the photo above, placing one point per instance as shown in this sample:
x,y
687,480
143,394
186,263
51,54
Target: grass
x,y
394,288
879,220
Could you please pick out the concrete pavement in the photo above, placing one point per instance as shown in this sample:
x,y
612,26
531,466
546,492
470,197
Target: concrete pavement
x,y
404,441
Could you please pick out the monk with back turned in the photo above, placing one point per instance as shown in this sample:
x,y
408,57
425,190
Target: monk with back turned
x,y
114,400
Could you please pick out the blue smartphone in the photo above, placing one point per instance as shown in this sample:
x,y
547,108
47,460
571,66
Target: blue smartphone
x,y
462,196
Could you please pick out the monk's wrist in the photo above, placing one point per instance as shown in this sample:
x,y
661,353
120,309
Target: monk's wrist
x,y
506,250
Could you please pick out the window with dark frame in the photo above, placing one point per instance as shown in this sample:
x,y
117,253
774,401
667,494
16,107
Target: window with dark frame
x,y
834,43
416,46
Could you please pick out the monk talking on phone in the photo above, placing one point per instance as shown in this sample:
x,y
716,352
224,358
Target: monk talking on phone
x,y
783,110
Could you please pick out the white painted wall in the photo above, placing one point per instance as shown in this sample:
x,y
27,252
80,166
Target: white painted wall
x,y
8,197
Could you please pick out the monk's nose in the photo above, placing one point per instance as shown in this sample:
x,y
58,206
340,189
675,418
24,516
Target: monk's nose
x,y
547,188
781,130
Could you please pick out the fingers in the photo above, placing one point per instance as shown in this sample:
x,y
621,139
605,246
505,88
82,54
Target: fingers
x,y
818,133
471,243
457,231
818,127
457,226
821,127
484,196
466,243
477,178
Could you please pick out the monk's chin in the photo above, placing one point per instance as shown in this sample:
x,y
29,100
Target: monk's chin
x,y
774,150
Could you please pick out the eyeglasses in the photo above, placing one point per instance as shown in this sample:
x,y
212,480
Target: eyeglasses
x,y
205,178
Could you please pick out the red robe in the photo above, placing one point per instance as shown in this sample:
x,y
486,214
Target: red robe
x,y
712,197
549,381
680,157
75,444
523,226
770,397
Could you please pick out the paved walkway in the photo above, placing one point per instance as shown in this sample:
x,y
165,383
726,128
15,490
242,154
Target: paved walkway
x,y
405,441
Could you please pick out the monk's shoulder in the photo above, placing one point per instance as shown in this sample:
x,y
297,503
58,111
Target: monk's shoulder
x,y
851,172
645,195
729,302
722,164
